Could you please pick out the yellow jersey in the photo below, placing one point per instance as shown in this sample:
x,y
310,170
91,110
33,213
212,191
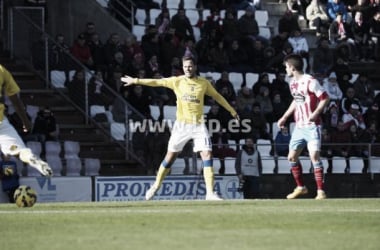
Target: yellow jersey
x,y
8,86
190,93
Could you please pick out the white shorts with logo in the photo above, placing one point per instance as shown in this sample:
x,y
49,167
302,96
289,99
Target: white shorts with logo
x,y
182,133
309,136
10,140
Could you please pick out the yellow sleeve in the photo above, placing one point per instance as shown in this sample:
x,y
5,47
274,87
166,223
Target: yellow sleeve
x,y
9,84
164,82
211,91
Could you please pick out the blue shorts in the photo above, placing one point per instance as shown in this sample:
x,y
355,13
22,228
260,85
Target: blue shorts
x,y
309,136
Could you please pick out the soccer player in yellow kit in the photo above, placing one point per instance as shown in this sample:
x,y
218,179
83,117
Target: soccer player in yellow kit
x,y
10,141
190,91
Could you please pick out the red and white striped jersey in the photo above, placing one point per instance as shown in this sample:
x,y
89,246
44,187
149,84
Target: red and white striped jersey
x,y
306,92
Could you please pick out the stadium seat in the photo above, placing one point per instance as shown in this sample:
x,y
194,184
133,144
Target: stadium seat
x,y
154,13
139,31
53,148
35,146
265,32
356,165
73,167
275,130
229,163
206,109
72,149
118,131
170,112
58,78
236,79
55,163
190,4
339,165
140,16
173,4
154,111
32,172
240,13
251,79
32,111
306,163
271,77
283,165
374,164
262,17
91,166
264,147
215,75
268,165
97,109
205,14
197,33
193,16
71,74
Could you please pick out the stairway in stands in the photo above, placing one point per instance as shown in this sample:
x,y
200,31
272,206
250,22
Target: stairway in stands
x,y
94,143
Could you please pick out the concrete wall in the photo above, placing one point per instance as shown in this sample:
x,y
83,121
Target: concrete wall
x,y
69,17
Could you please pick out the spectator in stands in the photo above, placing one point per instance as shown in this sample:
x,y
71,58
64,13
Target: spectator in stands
x,y
89,31
162,22
45,126
97,52
298,7
218,57
245,100
220,148
137,64
152,66
340,142
317,16
364,90
374,32
119,106
248,26
331,116
97,91
348,99
259,127
375,7
230,26
326,148
330,84
238,58
187,48
323,58
354,117
130,48
341,36
248,168
300,46
76,88
363,7
358,137
181,23
169,50
282,140
372,115
81,51
117,64
360,35
279,106
224,82
140,100
263,81
213,22
258,60
288,22
60,54
335,7
281,86
264,98
112,46
275,64
150,45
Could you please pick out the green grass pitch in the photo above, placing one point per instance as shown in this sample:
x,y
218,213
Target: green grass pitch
x,y
230,224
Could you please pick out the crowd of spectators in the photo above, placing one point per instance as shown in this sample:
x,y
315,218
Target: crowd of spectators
x,y
233,44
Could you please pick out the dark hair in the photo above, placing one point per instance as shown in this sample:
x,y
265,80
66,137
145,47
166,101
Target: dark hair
x,y
189,58
295,61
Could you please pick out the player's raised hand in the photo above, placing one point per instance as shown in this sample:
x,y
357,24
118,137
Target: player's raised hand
x,y
128,80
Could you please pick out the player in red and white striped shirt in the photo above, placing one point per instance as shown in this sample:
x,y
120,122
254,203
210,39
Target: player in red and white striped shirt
x,y
309,101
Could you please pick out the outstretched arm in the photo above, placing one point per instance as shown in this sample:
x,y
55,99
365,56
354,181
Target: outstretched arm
x,y
163,82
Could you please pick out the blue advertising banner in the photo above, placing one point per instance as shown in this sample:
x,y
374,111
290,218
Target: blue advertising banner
x,y
173,188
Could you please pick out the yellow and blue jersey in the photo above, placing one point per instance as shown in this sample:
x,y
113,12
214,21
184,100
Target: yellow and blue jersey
x,y
8,86
190,93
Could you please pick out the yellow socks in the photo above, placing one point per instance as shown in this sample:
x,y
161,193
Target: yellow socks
x,y
208,174
161,174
